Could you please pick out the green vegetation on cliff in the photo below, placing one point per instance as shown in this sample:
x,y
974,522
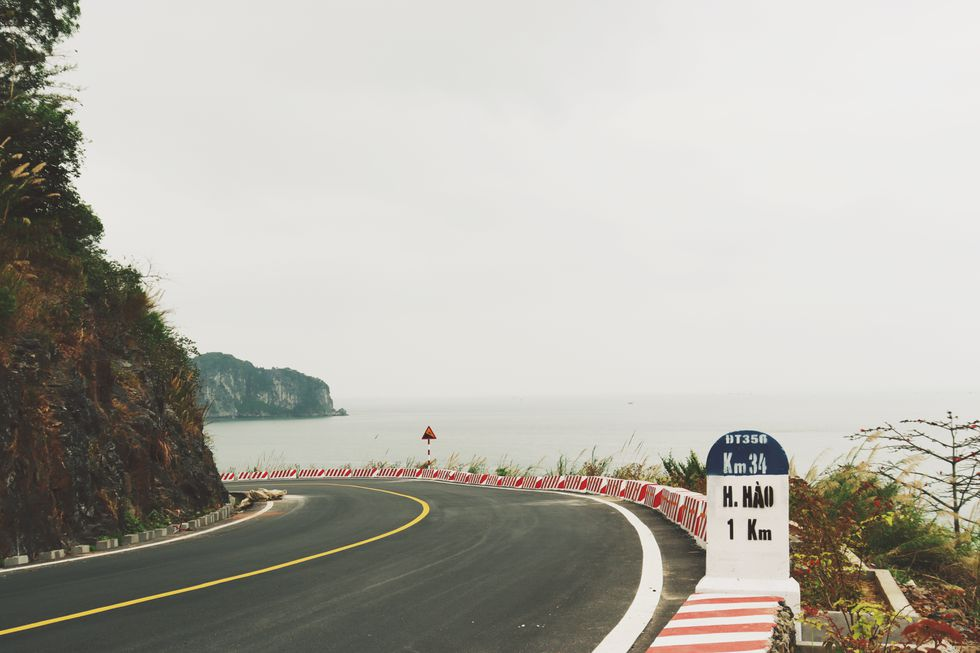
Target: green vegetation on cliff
x,y
232,388
99,422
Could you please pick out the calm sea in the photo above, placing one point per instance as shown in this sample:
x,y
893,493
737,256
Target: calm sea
x,y
536,430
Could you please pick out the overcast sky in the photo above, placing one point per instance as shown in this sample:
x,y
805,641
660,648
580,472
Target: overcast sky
x,y
458,198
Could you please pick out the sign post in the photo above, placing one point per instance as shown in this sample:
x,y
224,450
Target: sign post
x,y
428,436
748,519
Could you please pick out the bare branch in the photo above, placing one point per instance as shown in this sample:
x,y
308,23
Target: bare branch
x,y
936,498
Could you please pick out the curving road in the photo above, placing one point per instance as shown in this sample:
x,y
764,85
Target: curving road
x,y
483,570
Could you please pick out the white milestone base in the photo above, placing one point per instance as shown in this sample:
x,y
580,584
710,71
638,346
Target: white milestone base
x,y
787,588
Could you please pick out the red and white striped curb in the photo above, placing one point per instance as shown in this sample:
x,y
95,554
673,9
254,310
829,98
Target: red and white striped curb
x,y
720,623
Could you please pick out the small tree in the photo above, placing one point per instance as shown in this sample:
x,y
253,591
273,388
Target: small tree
x,y
953,446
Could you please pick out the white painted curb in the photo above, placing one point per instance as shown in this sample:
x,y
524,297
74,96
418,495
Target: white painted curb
x,y
182,538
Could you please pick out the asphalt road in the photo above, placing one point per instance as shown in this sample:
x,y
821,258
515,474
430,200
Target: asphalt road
x,y
485,570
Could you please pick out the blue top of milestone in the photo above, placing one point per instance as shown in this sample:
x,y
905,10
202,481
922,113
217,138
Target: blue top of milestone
x,y
747,453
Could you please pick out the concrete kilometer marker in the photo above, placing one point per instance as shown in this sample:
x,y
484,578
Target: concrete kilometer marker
x,y
748,519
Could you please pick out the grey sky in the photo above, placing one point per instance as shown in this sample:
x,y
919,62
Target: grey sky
x,y
433,198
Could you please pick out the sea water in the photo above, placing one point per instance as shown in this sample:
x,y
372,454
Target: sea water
x,y
535,431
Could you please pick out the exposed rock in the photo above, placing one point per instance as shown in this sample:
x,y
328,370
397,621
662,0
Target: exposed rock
x,y
232,388
784,635
94,434
263,494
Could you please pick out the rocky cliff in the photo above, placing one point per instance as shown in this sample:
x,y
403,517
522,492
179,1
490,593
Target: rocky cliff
x,y
232,388
96,438
100,431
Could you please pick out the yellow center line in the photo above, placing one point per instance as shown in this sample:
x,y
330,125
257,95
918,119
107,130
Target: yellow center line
x,y
211,583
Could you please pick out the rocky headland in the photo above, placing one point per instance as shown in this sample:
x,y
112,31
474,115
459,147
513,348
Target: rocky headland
x,y
231,388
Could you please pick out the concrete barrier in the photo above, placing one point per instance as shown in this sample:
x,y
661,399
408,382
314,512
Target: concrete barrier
x,y
896,597
107,544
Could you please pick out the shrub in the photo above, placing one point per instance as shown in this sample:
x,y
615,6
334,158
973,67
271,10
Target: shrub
x,y
826,575
595,466
477,465
689,473
639,471
132,523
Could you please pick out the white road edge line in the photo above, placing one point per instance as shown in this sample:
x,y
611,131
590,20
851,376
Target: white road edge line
x,y
622,637
90,556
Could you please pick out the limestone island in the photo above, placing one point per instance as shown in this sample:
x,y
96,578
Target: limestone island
x,y
232,388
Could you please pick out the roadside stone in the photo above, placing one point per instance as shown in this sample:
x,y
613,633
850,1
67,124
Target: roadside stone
x,y
79,549
160,532
784,635
172,529
48,556
146,536
185,526
263,494
103,545
131,538
15,561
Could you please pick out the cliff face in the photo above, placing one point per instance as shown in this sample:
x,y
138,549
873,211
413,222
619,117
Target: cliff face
x,y
235,388
98,425
100,431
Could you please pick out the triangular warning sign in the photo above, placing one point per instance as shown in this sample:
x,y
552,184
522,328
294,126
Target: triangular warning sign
x,y
429,434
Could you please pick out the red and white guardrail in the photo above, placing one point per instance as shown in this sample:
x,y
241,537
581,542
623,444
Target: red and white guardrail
x,y
683,507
